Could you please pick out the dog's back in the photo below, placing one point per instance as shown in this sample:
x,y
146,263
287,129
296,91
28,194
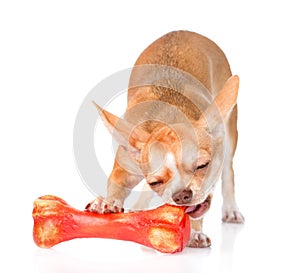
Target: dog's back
x,y
192,53
195,57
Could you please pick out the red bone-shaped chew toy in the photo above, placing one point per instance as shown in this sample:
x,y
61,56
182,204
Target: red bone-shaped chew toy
x,y
166,229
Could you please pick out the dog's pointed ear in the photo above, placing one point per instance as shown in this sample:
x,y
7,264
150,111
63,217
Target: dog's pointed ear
x,y
131,138
224,102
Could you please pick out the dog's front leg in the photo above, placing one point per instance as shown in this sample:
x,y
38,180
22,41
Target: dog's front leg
x,y
119,185
198,239
230,210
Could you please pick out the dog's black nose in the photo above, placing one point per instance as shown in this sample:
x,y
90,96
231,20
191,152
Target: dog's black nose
x,y
183,197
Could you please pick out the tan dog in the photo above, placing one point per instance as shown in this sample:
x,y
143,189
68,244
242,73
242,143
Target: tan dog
x,y
173,134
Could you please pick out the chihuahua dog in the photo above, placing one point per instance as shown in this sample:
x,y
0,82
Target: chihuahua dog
x,y
179,132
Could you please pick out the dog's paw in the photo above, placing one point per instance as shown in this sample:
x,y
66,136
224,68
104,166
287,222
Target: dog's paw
x,y
199,240
95,205
100,205
232,215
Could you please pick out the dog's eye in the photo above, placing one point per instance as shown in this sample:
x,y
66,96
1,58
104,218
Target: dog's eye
x,y
155,183
202,166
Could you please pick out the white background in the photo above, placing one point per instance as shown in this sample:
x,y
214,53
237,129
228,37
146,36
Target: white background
x,y
52,53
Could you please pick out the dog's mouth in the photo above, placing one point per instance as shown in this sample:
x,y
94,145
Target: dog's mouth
x,y
196,211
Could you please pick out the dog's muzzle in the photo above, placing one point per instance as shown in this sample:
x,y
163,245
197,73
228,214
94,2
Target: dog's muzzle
x,y
199,210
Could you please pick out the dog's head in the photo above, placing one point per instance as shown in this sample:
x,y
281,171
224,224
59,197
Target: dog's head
x,y
180,162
